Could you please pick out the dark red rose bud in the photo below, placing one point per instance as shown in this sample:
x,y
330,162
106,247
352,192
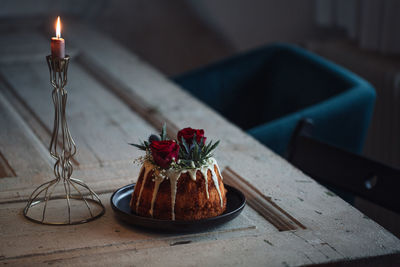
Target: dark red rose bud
x,y
164,152
188,134
154,137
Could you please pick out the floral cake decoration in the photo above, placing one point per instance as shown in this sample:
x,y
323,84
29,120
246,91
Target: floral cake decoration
x,y
188,151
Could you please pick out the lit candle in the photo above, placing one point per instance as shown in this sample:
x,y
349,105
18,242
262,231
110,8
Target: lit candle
x,y
58,43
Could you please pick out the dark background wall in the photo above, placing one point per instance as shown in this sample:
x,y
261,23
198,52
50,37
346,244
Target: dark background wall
x,y
179,35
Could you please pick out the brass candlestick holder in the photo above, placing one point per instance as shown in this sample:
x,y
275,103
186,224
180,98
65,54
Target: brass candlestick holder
x,y
71,201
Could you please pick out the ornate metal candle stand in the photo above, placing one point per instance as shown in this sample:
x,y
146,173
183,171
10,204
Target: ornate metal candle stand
x,y
75,196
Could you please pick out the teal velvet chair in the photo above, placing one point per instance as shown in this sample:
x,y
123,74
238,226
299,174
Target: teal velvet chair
x,y
268,90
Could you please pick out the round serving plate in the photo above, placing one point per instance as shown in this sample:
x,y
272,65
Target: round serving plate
x,y
235,202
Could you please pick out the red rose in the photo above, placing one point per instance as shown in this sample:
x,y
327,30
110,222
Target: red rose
x,y
164,152
188,134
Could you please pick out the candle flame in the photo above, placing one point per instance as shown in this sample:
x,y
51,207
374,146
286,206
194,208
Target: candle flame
x,y
58,27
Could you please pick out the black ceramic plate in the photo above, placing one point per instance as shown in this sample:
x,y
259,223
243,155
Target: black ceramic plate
x,y
120,204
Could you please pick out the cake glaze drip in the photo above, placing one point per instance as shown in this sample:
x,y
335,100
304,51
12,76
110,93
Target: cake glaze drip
x,y
174,175
146,168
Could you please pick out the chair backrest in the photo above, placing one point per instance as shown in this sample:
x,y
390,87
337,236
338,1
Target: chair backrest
x,y
333,166
264,84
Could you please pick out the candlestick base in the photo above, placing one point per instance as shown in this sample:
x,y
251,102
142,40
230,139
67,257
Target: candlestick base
x,y
71,201
68,202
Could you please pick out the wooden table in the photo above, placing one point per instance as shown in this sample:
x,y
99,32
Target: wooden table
x,y
115,98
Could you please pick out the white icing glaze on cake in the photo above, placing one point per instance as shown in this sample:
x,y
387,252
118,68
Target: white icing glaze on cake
x,y
173,175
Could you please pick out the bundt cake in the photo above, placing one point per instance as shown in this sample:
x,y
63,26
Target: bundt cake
x,y
179,180
190,194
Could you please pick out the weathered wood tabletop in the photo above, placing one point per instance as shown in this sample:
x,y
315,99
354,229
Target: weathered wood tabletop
x,y
115,98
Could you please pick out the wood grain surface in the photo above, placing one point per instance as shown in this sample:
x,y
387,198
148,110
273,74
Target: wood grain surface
x,y
261,203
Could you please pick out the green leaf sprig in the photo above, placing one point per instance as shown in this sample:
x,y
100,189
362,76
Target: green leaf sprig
x,y
196,154
145,145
